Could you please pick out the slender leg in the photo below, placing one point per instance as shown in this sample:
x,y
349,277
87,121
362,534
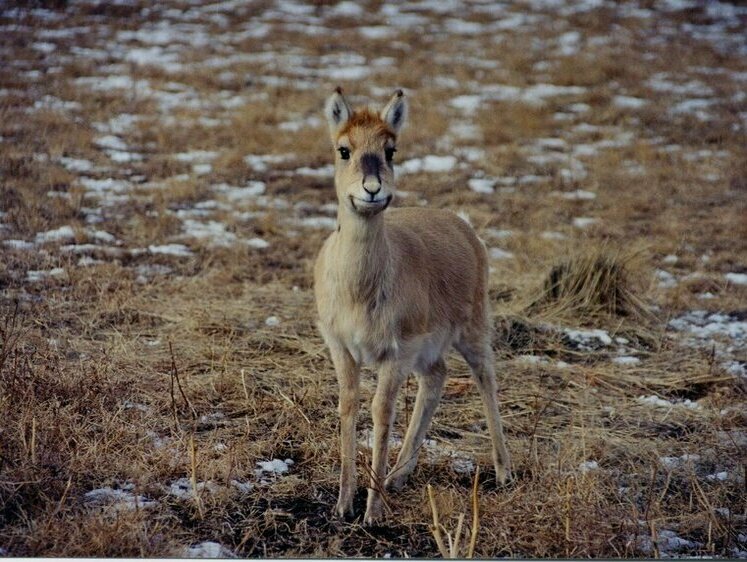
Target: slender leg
x,y
480,359
383,410
430,389
348,378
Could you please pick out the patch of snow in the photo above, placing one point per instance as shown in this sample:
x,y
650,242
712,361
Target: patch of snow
x,y
243,487
34,276
718,476
584,222
676,462
430,163
704,325
257,243
272,321
588,466
481,185
117,499
61,234
183,489
316,222
179,250
196,156
323,172
587,340
262,162
213,232
207,549
376,31
19,245
498,254
77,165
629,102
736,278
552,235
626,360
658,402
272,468
252,189
577,195
666,279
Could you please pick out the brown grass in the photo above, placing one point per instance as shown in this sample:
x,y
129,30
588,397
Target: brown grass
x,y
139,369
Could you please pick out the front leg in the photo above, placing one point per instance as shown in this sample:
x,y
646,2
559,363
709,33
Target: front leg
x,y
348,378
383,410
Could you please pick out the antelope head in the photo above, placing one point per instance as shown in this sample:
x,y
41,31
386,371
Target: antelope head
x,y
365,142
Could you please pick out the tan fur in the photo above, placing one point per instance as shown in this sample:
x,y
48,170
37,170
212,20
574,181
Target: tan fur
x,y
395,289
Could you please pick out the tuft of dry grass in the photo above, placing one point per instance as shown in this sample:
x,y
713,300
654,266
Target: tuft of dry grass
x,y
597,281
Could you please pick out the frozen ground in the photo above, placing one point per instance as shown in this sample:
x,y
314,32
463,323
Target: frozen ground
x,y
166,182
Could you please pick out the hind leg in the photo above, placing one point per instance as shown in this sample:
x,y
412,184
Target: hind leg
x,y
430,389
479,356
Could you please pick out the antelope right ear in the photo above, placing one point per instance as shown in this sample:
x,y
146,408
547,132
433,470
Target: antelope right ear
x,y
395,112
337,111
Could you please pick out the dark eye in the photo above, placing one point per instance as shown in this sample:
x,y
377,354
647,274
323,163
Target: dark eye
x,y
344,153
389,153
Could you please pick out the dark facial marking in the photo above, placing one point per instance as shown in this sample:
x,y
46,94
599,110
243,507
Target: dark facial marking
x,y
371,165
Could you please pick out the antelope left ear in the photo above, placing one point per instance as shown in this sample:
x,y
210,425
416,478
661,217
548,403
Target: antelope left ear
x,y
395,112
337,111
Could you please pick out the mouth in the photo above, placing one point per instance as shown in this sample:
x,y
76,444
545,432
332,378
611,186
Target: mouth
x,y
369,208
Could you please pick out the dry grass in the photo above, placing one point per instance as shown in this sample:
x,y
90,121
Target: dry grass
x,y
132,369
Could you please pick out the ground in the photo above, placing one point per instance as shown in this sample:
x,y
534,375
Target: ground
x,y
165,183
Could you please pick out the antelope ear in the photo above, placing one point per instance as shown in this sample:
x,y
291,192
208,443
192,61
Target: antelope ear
x,y
337,111
395,112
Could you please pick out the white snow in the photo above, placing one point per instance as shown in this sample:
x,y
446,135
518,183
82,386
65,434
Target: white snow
x,y
666,279
61,234
588,466
481,185
212,232
676,462
76,164
736,278
179,250
628,102
234,194
18,244
183,489
207,549
704,325
626,360
257,243
577,195
35,276
499,254
583,222
658,402
718,476
117,499
243,487
196,156
273,467
430,163
588,339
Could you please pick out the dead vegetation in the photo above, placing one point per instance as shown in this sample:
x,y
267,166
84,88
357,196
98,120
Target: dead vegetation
x,y
166,377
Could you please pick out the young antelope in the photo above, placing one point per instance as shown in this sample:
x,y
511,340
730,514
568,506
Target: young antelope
x,y
395,289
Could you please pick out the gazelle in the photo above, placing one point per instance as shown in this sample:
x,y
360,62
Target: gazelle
x,y
396,289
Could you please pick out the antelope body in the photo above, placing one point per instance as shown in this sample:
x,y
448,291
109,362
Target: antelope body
x,y
395,290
